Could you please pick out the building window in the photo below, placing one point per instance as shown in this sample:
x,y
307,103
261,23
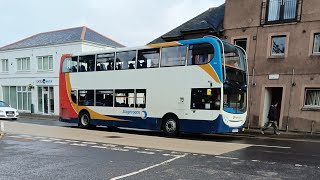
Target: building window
x,y
279,11
316,44
312,98
173,56
4,65
45,63
23,64
18,97
278,45
241,42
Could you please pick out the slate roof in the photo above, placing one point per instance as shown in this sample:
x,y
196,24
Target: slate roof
x,y
212,19
76,34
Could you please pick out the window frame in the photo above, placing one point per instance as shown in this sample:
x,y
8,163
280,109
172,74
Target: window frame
x,y
313,43
281,13
4,69
42,63
185,60
306,89
270,46
27,59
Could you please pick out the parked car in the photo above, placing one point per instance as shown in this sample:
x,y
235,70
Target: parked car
x,y
7,112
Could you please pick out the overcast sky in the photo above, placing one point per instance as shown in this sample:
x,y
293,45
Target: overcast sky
x,y
130,22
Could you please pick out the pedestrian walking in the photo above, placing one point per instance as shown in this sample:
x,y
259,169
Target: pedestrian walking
x,y
272,119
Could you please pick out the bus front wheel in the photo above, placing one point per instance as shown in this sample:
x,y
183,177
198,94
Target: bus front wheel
x,y
84,118
171,126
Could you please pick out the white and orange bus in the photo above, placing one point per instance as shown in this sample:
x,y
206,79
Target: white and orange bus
x,y
190,86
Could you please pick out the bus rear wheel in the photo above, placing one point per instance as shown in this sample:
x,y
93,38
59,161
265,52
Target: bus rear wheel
x,y
170,126
84,120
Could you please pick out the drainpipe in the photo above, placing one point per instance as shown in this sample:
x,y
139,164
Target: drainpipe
x,y
291,89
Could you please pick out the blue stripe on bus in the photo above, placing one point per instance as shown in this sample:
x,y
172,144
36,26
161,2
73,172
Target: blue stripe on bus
x,y
216,63
186,125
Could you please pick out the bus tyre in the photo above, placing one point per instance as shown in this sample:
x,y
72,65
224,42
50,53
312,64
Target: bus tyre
x,y
170,126
84,120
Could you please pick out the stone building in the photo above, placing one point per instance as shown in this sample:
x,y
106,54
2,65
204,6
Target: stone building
x,y
282,39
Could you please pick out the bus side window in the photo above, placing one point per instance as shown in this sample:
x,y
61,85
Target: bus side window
x,y
200,53
126,60
86,63
205,98
124,98
141,98
105,62
173,56
148,58
86,97
104,98
70,64
74,96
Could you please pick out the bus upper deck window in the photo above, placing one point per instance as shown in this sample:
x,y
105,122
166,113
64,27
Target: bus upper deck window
x,y
86,63
148,58
70,64
105,62
200,54
126,60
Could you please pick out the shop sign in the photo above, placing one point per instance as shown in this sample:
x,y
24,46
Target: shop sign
x,y
44,81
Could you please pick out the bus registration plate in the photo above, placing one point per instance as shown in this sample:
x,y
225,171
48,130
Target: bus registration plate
x,y
235,130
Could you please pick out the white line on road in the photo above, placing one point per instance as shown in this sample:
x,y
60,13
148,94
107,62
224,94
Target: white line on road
x,y
46,140
129,147
60,142
75,144
72,141
145,169
119,149
101,147
225,157
55,139
145,152
109,145
88,143
280,147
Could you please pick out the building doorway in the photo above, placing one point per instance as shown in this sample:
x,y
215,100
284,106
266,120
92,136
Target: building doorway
x,y
271,95
45,99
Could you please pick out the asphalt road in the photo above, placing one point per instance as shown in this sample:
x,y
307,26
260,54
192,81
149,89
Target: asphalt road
x,y
24,156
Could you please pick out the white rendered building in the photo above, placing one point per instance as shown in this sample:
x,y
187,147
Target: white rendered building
x,y
29,69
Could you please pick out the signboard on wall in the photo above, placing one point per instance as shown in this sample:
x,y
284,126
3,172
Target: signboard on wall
x,y
274,76
44,81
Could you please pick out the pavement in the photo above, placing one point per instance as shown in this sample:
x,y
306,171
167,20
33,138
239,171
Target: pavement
x,y
299,136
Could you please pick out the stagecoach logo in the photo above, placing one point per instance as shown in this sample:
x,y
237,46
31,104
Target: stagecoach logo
x,y
44,81
236,117
143,114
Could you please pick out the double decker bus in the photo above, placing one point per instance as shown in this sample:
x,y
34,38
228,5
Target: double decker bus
x,y
189,86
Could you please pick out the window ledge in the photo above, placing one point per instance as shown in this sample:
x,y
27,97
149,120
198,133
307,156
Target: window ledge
x,y
310,108
49,71
315,54
277,57
279,24
24,72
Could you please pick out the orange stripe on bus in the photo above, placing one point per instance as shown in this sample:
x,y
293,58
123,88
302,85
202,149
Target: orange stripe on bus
x,y
93,114
165,44
208,68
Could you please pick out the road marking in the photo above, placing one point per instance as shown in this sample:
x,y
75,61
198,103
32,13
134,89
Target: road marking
x,y
298,165
150,167
55,139
225,157
145,152
280,147
195,154
75,144
46,140
101,147
109,145
254,160
60,142
91,143
72,141
119,149
129,147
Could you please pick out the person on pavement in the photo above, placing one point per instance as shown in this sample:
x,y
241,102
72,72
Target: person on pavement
x,y
272,119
